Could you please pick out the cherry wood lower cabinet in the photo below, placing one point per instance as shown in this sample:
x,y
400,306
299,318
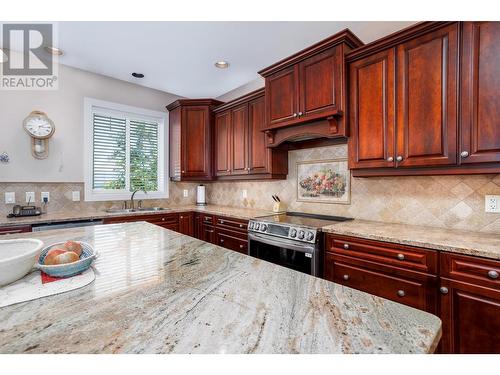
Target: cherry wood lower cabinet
x,y
15,229
400,273
464,291
470,304
186,223
227,232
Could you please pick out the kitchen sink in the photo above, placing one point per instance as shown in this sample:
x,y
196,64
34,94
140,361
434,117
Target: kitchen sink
x,y
132,210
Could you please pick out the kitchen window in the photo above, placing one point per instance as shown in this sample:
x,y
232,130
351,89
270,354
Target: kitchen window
x,y
125,151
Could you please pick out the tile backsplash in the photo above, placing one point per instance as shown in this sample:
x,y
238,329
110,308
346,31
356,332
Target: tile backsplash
x,y
439,201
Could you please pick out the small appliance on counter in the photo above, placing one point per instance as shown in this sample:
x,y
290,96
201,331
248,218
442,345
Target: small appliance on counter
x,y
22,211
201,196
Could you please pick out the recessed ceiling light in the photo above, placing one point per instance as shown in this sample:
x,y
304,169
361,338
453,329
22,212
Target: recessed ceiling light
x,y
137,75
53,50
222,64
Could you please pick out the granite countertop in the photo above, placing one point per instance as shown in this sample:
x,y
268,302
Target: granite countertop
x,y
455,241
52,217
158,291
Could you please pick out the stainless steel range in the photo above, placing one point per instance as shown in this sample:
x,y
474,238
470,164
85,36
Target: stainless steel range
x,y
292,239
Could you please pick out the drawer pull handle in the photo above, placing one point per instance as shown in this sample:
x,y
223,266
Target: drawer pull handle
x,y
401,256
241,225
346,277
221,240
493,275
443,290
346,246
162,219
221,221
401,293
182,217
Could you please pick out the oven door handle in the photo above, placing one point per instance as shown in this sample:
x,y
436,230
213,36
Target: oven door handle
x,y
292,245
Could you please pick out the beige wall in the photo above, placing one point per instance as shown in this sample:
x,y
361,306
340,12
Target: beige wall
x,y
65,107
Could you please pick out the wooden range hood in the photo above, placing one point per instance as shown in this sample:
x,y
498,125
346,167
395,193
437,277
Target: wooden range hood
x,y
306,94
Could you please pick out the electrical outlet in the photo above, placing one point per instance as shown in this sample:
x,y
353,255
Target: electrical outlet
x,y
492,203
30,197
244,193
10,197
76,196
185,193
45,194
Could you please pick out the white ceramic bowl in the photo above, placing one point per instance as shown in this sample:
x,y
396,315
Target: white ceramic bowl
x,y
17,258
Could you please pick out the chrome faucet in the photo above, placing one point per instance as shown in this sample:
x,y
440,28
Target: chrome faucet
x,y
133,195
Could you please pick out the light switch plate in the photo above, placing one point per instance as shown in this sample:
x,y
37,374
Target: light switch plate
x,y
45,194
30,197
492,203
185,193
244,193
76,196
10,197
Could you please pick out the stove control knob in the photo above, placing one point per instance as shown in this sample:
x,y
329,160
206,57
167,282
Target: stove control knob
x,y
263,227
301,234
310,236
257,225
250,225
293,233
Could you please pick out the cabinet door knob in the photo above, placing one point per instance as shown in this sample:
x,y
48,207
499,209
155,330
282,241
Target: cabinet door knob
x,y
390,158
399,158
443,290
241,225
241,246
346,246
221,240
493,274
221,221
464,154
401,256
295,115
401,293
162,219
183,171
182,217
300,113
345,277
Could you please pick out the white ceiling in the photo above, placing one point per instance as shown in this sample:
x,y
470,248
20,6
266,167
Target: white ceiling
x,y
178,57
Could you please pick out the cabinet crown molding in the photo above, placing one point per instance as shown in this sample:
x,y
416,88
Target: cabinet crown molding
x,y
192,102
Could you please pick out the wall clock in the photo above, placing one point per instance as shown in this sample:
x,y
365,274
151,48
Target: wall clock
x,y
40,128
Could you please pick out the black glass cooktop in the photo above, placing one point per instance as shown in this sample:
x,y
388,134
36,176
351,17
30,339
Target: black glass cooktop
x,y
303,219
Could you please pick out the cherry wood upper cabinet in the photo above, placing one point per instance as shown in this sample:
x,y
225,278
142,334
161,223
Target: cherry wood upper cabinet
x,y
239,139
372,111
258,154
438,89
282,94
191,139
310,84
240,146
480,109
321,84
223,143
426,74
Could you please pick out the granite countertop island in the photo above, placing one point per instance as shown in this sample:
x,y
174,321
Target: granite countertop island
x,y
158,291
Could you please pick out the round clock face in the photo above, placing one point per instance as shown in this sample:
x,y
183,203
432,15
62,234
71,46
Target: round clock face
x,y
39,127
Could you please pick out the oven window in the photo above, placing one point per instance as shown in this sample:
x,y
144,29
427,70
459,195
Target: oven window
x,y
284,257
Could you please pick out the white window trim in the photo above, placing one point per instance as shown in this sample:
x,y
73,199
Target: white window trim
x,y
91,195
